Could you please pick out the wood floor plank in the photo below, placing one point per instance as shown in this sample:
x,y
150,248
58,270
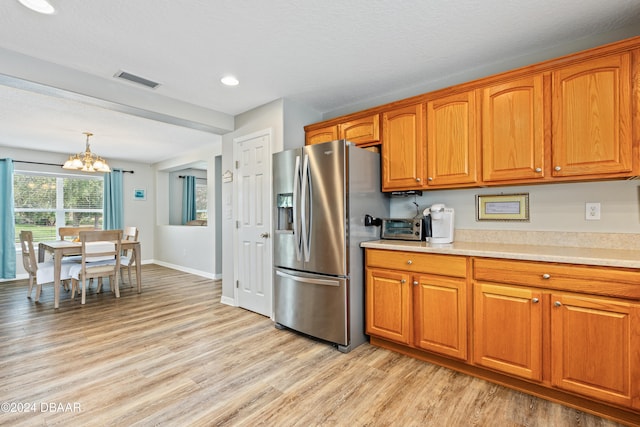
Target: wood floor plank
x,y
175,356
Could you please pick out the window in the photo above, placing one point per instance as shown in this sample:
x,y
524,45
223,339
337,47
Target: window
x,y
201,201
46,202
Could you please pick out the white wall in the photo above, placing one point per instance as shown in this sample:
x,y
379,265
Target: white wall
x,y
552,207
188,248
136,213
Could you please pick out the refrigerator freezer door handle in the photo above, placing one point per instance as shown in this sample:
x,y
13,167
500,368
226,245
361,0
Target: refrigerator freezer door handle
x,y
297,226
306,198
324,282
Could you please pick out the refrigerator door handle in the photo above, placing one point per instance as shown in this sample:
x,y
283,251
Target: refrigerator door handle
x,y
324,282
306,198
297,226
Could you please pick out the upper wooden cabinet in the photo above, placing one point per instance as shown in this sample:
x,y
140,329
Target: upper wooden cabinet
x,y
592,129
513,130
325,134
452,140
403,149
362,131
566,119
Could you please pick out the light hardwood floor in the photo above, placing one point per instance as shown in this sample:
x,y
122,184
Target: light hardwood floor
x,y
175,356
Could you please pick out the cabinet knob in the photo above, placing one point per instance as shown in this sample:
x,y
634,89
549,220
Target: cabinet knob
x,y
403,281
535,300
415,283
430,178
546,276
538,170
557,168
418,179
409,262
557,304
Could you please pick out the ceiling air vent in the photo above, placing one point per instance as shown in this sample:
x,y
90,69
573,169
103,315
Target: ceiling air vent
x,y
136,79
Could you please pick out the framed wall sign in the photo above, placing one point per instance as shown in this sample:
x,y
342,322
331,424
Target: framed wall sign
x,y
139,194
502,207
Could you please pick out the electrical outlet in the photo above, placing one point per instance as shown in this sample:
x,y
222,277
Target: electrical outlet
x,y
592,211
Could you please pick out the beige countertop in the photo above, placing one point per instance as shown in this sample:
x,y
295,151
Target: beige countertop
x,y
563,254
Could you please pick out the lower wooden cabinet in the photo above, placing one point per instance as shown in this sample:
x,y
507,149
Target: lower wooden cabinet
x,y
388,301
593,341
524,324
507,324
595,348
440,315
408,304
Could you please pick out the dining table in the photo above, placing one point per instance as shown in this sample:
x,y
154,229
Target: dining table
x,y
61,248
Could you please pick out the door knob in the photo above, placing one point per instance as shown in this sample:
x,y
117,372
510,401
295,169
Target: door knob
x,y
264,235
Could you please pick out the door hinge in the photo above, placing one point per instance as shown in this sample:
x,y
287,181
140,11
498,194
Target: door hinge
x,y
237,283
237,224
237,164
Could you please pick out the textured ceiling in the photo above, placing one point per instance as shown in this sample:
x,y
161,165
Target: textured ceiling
x,y
328,55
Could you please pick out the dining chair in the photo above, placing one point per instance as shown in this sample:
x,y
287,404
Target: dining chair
x,y
127,259
100,258
39,272
73,233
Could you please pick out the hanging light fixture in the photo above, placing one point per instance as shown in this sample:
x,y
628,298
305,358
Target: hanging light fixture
x,y
87,161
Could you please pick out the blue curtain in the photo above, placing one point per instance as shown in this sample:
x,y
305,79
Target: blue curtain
x,y
7,222
113,202
188,199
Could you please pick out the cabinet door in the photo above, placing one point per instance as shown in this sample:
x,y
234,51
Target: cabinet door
x,y
592,117
440,313
452,140
403,149
364,131
513,130
508,329
388,305
318,136
595,348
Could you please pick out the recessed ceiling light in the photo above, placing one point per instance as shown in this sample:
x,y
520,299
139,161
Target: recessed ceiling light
x,y
229,81
40,6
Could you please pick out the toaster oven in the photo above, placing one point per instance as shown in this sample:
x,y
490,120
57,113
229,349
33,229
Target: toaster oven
x,y
402,229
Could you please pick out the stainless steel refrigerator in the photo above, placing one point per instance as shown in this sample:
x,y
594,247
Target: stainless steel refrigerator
x,y
322,194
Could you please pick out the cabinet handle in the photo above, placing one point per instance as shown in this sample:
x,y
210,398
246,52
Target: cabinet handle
x,y
418,180
557,168
557,304
430,178
403,281
535,300
546,276
415,283
538,170
409,262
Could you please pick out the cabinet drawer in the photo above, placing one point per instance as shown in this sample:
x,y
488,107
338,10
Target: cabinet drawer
x,y
444,265
608,281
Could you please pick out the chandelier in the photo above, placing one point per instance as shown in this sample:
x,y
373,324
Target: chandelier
x,y
87,161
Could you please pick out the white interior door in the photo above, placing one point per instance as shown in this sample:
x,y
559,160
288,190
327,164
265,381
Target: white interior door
x,y
253,269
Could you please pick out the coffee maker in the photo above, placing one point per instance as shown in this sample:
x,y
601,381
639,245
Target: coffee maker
x,y
440,219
